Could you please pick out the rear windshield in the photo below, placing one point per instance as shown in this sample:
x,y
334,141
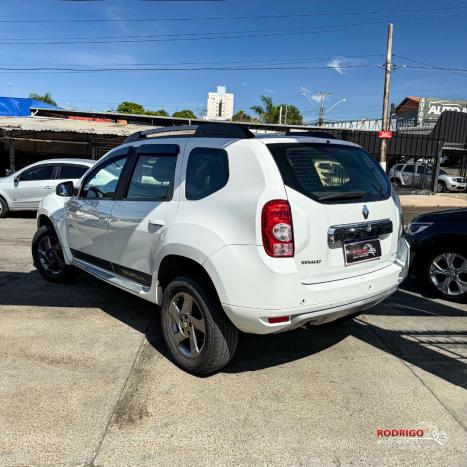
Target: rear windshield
x,y
331,173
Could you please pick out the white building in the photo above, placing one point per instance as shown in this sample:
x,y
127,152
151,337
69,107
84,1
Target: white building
x,y
220,105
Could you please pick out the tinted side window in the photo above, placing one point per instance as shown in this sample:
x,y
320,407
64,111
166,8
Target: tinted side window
x,y
43,172
102,183
72,171
153,177
409,169
207,172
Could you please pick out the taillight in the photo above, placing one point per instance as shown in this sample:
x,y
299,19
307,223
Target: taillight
x,y
277,229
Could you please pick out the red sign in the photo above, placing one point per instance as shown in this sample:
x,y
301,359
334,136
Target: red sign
x,y
385,134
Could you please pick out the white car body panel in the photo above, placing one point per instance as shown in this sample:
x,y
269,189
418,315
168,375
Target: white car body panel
x,y
222,233
26,195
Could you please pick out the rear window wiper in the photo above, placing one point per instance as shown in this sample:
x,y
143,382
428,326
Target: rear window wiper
x,y
343,195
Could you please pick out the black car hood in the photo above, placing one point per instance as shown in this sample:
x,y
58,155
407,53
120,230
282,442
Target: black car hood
x,y
451,215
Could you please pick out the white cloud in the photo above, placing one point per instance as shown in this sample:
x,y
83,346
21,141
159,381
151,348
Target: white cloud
x,y
245,85
336,64
269,91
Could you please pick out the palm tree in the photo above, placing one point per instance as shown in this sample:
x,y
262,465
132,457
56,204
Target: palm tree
x,y
268,112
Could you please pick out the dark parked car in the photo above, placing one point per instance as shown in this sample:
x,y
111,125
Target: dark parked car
x,y
438,243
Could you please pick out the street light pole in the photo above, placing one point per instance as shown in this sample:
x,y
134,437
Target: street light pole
x,y
322,96
387,81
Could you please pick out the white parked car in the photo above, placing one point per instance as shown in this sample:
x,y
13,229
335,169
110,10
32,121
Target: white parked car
x,y
227,231
23,190
419,175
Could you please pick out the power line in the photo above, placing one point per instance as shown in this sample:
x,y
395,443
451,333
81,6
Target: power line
x,y
209,35
152,69
194,36
217,18
267,61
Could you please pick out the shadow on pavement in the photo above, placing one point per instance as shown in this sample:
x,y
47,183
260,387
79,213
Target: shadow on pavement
x,y
438,351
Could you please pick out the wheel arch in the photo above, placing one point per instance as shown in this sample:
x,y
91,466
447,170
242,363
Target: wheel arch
x,y
175,265
5,198
434,244
43,220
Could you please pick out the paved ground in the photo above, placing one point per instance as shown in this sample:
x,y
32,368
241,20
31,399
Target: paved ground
x,y
84,380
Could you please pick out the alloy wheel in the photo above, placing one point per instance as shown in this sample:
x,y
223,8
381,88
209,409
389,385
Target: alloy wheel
x,y
187,326
448,273
51,255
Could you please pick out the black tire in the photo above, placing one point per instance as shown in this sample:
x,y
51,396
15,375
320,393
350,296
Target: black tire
x,y
441,187
396,182
220,337
432,285
60,272
3,208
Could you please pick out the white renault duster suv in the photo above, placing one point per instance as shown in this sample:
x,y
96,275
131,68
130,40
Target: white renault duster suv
x,y
227,231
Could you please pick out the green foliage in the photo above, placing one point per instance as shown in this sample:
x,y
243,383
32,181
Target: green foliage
x,y
47,98
241,116
268,112
130,108
157,113
291,115
184,114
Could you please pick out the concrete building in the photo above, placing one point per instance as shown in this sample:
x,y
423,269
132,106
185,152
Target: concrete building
x,y
220,104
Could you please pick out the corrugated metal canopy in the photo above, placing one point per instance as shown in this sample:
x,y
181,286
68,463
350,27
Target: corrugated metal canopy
x,y
39,124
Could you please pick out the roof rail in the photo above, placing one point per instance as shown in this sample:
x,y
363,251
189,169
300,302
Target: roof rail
x,y
315,134
200,130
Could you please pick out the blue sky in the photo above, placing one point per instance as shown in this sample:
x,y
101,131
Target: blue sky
x,y
349,53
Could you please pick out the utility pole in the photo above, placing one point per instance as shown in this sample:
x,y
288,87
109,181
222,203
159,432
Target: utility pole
x,y
387,82
280,115
322,96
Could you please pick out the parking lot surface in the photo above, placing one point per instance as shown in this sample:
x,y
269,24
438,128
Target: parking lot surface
x,y
84,380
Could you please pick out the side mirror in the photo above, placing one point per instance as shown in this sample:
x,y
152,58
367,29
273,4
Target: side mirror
x,y
16,179
65,189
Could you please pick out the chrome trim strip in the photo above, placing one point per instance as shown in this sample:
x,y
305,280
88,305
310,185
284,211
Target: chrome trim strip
x,y
359,231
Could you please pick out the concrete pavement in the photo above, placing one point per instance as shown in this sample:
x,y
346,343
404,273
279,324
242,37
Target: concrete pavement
x,y
84,380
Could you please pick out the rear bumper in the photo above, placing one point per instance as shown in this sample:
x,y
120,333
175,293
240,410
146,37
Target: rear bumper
x,y
255,321
324,302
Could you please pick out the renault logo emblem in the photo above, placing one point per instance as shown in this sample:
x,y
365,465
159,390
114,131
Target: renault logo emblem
x,y
365,211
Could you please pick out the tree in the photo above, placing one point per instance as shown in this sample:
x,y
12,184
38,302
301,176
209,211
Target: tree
x,y
157,113
47,98
291,115
184,114
268,112
271,113
241,116
130,108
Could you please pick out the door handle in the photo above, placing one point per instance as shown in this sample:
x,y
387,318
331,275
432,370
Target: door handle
x,y
47,187
157,222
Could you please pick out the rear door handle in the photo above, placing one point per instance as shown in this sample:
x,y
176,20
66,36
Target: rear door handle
x,y
47,187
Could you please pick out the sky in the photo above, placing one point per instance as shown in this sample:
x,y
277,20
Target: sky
x,y
337,47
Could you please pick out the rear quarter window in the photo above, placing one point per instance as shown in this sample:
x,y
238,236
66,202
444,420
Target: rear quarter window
x,y
207,172
330,172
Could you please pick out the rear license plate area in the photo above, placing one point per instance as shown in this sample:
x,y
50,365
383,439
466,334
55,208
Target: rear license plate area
x,y
361,251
